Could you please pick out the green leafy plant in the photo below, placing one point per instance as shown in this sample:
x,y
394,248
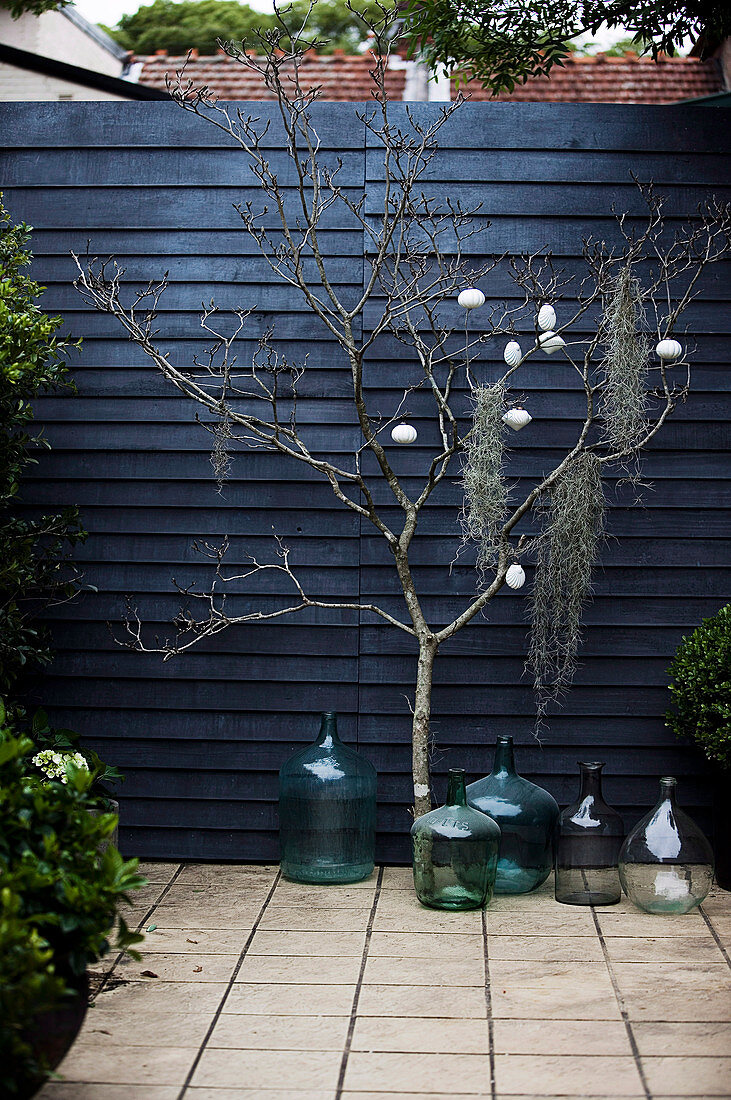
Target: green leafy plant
x,y
67,742
35,570
701,692
60,896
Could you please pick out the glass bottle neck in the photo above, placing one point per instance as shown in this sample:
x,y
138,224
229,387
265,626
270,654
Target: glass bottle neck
x,y
504,757
591,782
328,734
456,789
668,787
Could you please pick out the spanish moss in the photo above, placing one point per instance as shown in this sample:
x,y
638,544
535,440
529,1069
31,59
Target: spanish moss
x,y
486,494
567,550
625,366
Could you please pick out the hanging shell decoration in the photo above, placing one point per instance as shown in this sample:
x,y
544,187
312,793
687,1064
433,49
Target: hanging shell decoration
x,y
515,576
516,418
550,342
471,298
546,318
404,434
512,354
669,349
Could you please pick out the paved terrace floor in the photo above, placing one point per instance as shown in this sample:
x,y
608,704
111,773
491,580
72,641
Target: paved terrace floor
x,y
254,987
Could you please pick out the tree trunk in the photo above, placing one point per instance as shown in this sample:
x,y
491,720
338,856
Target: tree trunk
x,y
420,735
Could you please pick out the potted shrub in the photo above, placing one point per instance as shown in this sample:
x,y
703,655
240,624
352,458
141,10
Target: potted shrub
x,y
59,905
701,693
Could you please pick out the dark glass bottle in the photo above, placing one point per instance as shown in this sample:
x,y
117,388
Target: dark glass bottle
x,y
666,863
455,852
527,818
588,839
327,811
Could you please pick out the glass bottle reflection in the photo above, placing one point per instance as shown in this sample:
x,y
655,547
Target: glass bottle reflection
x,y
527,818
455,852
588,839
666,863
327,811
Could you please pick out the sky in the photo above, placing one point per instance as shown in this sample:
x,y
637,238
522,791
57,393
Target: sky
x,y
109,12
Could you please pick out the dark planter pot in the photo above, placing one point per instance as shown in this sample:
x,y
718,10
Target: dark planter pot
x,y
722,827
54,1032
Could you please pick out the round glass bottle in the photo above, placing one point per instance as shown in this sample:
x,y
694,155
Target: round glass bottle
x,y
455,852
588,838
527,818
666,863
327,811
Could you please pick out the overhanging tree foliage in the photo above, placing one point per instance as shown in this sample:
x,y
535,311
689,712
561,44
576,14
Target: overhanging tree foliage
x,y
503,44
181,25
33,7
416,264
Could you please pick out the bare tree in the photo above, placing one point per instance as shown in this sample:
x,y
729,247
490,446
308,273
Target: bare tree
x,y
633,295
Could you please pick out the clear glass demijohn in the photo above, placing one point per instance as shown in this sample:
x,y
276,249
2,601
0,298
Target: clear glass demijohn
x,y
666,863
588,838
527,818
327,811
455,852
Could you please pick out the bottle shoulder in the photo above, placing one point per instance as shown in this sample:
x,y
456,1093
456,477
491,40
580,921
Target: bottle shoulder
x,y
456,822
328,761
512,796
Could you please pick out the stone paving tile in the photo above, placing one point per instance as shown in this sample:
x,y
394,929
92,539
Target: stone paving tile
x,y
157,870
176,1029
326,944
193,967
291,1000
688,1039
564,991
565,920
418,918
421,1072
145,897
419,945
285,918
145,1005
128,1065
388,970
397,878
419,1000
300,969
614,922
67,1090
670,992
229,875
168,940
256,1094
266,1069
227,914
322,897
538,1075
700,948
546,1037
545,948
374,1033
280,1032
677,1076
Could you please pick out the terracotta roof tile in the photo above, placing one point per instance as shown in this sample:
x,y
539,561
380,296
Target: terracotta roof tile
x,y
341,77
628,79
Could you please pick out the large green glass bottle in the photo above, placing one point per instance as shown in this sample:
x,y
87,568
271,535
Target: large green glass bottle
x,y
455,852
527,817
666,863
327,811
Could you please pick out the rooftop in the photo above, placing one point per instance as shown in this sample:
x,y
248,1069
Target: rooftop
x,y
596,79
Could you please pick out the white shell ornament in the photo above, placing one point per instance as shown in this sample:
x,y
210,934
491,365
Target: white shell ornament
x,y
550,342
471,298
516,418
546,318
669,349
404,433
515,576
512,354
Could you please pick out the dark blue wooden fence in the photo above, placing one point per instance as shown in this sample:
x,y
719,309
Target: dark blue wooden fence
x,y
201,737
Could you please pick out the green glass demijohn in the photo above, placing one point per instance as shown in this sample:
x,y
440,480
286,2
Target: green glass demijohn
x,y
666,863
327,811
527,818
455,852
